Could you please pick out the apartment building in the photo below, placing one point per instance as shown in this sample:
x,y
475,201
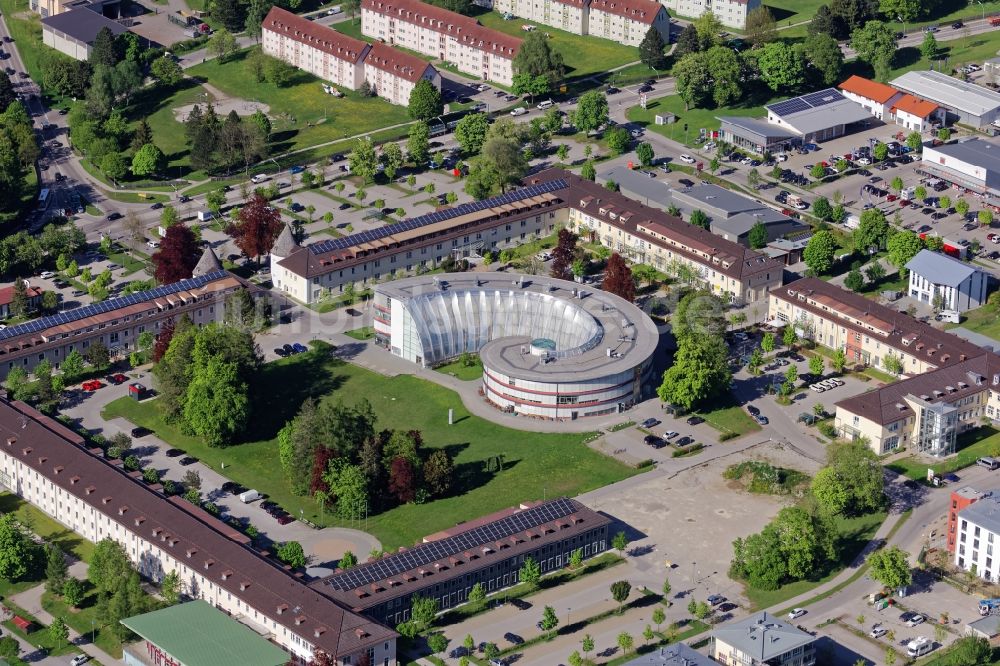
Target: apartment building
x,y
762,640
343,60
866,331
321,51
624,21
439,33
731,13
489,551
960,499
550,198
49,466
117,323
978,537
33,298
927,412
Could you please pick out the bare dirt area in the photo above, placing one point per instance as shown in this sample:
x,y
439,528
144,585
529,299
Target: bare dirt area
x,y
685,522
223,105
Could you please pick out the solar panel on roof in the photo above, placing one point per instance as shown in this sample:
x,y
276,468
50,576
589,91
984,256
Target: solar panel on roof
x,y
788,107
107,306
822,98
426,553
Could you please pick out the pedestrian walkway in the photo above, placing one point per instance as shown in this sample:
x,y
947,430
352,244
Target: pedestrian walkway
x,y
31,601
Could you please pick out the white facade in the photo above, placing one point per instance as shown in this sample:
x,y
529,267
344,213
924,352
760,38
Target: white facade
x,y
978,540
731,13
393,74
627,22
879,109
970,293
569,15
439,33
343,66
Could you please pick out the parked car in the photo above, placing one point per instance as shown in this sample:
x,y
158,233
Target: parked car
x,y
140,432
278,351
300,348
288,349
285,519
796,613
188,460
913,620
687,159
513,638
670,434
654,441
92,385
79,659
683,441
232,487
520,604
649,423
715,599
878,631
174,453
695,420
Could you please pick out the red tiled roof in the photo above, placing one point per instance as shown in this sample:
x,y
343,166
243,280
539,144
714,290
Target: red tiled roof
x,y
466,30
644,11
873,90
396,62
915,106
7,294
319,37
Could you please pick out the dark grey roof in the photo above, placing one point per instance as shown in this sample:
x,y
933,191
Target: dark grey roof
x,y
83,24
977,152
638,183
208,263
763,636
985,513
678,654
743,222
285,244
760,128
940,269
713,196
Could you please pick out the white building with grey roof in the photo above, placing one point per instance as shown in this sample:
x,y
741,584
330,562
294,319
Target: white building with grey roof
x,y
818,116
978,538
762,639
549,348
678,654
973,164
946,283
964,102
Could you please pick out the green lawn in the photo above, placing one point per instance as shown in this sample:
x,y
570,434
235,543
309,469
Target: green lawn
x,y
85,619
47,528
583,55
975,48
462,371
853,535
694,118
26,28
984,320
536,465
984,441
729,418
302,114
363,333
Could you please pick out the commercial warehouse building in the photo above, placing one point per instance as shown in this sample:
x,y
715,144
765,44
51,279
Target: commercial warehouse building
x,y
116,323
963,102
553,197
73,32
757,136
973,164
439,33
733,215
49,466
342,60
549,348
489,551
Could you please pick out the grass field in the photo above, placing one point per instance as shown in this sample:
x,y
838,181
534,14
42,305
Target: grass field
x,y
853,534
955,53
984,441
984,320
730,418
462,371
536,465
694,118
302,114
26,28
363,333
85,619
583,55
47,528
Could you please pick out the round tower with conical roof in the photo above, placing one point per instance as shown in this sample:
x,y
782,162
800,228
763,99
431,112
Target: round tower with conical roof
x,y
283,247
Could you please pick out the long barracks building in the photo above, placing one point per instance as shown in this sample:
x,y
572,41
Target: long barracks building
x,y
623,21
489,551
50,467
547,200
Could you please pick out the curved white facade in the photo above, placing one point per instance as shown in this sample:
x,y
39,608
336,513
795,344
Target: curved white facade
x,y
548,347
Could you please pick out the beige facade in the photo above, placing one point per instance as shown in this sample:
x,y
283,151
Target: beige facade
x,y
439,33
562,14
393,74
343,67
731,13
624,21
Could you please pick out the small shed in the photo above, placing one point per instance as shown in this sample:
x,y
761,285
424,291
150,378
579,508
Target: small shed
x,y
27,626
137,391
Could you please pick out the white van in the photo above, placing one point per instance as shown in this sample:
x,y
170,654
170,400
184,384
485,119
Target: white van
x,y
988,463
519,111
950,316
546,104
249,496
204,215
258,179
919,646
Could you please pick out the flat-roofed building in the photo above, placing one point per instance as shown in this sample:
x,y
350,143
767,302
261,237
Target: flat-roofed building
x,y
489,551
977,539
964,102
50,467
731,13
757,136
343,60
677,654
973,164
960,499
818,116
440,33
73,32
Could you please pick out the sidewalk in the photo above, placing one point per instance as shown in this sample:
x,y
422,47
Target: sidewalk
x,y
31,601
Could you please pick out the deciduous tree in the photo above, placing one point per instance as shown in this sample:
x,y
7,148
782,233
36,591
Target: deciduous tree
x,y
618,278
819,252
470,132
425,101
536,57
563,254
177,255
891,567
875,43
256,227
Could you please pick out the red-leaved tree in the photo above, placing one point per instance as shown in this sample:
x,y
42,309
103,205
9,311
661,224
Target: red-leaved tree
x,y
321,460
402,483
618,278
562,256
163,340
177,256
257,227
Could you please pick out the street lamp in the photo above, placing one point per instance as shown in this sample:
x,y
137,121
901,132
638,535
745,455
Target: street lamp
x,y
902,22
983,7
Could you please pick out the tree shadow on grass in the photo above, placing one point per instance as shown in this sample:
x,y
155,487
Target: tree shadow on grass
x,y
906,56
473,475
779,13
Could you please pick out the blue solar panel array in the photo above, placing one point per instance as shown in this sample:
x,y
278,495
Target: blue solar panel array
x,y
425,553
805,102
76,314
437,216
